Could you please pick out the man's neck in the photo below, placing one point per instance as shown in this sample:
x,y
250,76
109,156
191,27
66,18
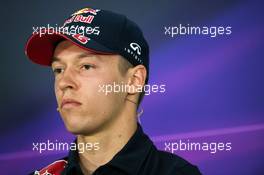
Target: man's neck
x,y
110,142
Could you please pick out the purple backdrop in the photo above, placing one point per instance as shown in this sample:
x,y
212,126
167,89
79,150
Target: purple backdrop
x,y
214,86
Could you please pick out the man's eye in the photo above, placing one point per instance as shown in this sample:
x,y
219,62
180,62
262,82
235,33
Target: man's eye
x,y
57,71
87,66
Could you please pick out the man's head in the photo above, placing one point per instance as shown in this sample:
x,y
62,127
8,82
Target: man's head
x,y
104,48
79,74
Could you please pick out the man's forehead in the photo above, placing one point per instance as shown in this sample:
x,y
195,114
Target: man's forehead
x,y
68,49
78,56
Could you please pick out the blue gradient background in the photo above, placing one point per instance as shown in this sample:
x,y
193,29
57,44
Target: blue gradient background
x,y
214,86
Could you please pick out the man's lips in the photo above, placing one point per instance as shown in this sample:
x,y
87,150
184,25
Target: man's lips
x,y
69,103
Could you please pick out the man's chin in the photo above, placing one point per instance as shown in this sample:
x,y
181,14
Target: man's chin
x,y
81,130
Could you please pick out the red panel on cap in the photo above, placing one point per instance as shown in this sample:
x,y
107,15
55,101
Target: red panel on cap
x,y
40,49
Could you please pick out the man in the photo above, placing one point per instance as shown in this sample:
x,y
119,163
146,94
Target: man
x,y
95,48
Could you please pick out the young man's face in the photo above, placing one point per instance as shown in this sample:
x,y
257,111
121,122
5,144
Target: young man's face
x,y
78,77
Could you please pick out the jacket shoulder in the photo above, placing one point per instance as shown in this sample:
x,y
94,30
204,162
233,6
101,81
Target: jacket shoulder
x,y
177,165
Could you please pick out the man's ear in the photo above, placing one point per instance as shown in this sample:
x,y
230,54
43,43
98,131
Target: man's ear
x,y
137,76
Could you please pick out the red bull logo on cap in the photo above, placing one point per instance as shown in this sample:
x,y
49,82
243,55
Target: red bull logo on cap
x,y
86,10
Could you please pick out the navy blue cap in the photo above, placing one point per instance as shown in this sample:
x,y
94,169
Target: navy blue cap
x,y
97,30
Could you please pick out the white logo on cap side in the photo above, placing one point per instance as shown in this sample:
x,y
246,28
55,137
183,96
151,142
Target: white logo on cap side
x,y
136,48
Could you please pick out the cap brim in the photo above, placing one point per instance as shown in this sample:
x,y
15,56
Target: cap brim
x,y
40,48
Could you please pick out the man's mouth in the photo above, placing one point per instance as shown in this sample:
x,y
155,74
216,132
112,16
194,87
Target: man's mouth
x,y
70,103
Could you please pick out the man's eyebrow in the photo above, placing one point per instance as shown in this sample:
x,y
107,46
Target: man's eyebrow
x,y
53,59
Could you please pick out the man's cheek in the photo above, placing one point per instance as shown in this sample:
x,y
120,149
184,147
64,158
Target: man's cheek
x,y
58,95
56,88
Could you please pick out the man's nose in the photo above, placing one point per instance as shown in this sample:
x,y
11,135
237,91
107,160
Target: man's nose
x,y
68,80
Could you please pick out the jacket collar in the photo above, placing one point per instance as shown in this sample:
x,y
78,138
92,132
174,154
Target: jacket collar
x,y
129,159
